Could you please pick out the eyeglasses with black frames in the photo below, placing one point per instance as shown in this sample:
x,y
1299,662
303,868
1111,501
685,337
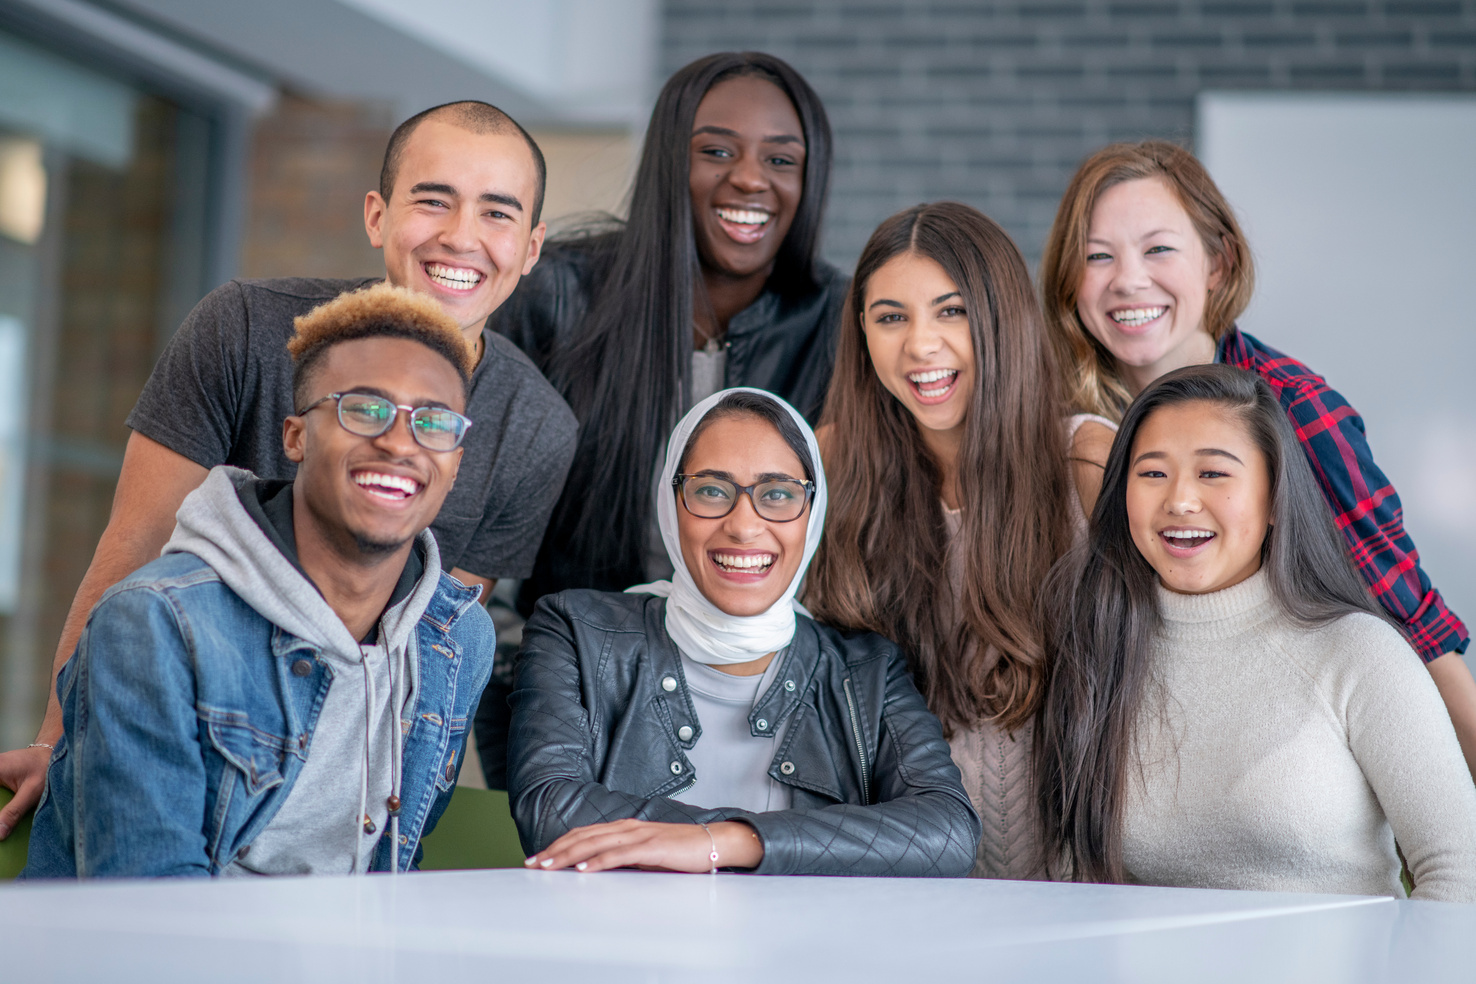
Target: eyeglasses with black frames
x,y
708,497
367,415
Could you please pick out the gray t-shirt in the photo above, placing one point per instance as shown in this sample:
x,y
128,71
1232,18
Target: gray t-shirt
x,y
223,386
730,761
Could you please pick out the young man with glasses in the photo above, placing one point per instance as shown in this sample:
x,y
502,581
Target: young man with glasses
x,y
457,215
285,690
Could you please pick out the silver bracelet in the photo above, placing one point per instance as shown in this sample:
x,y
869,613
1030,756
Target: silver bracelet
x,y
712,858
41,744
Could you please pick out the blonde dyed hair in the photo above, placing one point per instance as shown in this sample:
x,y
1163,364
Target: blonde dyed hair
x,y
379,311
1093,381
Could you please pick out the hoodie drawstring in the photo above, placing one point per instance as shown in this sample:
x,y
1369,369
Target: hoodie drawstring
x,y
397,675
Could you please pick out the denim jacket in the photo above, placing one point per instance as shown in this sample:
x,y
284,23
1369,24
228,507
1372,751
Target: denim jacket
x,y
188,717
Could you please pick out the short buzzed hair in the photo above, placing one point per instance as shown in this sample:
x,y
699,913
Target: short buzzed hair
x,y
473,116
380,311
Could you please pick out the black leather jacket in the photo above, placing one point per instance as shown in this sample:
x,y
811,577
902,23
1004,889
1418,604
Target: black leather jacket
x,y
600,695
781,343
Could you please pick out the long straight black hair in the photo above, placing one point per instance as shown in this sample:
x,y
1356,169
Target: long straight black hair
x,y
626,368
1101,614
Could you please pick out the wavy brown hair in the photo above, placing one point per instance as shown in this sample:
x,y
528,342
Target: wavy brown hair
x,y
883,563
1093,381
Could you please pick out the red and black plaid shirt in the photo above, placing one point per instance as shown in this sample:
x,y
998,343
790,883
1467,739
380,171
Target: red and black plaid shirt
x,y
1363,501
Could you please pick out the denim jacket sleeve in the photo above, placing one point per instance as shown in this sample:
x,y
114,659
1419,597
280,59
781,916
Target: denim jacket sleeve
x,y
136,765
920,822
552,756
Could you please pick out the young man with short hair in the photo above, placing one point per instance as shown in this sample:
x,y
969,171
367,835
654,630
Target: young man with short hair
x,y
286,689
457,217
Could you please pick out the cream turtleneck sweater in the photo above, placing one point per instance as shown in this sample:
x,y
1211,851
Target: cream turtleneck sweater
x,y
1282,758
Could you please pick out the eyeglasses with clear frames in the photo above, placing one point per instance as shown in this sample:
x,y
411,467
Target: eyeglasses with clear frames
x,y
367,415
778,501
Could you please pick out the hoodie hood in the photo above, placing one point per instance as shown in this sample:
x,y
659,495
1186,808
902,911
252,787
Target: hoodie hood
x,y
213,525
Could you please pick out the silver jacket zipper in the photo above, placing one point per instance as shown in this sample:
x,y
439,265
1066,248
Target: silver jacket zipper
x,y
860,745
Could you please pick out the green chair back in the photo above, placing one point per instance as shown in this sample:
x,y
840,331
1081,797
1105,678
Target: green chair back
x,y
13,848
476,831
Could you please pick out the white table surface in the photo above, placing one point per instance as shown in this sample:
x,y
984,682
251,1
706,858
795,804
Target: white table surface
x,y
633,926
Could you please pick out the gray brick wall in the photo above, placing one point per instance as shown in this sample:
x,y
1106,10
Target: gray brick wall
x,y
995,103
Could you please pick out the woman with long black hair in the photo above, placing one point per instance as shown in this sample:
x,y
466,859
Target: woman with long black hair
x,y
1229,706
714,280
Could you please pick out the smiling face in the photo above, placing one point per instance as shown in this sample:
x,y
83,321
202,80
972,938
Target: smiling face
x,y
918,336
742,563
1198,497
1146,281
747,174
369,496
457,225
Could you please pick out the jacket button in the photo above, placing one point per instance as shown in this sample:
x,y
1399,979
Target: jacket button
x,y
302,668
684,733
761,724
676,768
668,684
787,768
789,685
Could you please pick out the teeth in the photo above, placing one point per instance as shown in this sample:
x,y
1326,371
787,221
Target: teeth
x,y
458,277
1137,316
1188,534
744,562
373,480
743,216
932,376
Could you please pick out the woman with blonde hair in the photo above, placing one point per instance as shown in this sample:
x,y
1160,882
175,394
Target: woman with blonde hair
x,y
1144,272
942,434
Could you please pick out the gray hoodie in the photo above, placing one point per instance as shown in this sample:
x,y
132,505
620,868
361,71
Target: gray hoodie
x,y
353,761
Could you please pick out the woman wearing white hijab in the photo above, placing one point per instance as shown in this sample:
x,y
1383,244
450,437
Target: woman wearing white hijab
x,y
707,722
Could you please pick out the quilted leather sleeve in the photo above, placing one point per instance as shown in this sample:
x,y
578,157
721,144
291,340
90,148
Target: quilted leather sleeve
x,y
920,822
556,738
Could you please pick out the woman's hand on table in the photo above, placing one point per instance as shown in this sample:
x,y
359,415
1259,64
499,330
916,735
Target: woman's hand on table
x,y
652,847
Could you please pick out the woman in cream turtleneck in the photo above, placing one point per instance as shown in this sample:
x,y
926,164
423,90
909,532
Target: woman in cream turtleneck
x,y
1229,707
943,433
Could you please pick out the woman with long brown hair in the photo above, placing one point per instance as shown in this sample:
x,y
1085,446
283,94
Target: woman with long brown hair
x,y
943,436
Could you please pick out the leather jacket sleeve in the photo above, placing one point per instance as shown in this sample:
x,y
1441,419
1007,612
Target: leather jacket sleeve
x,y
553,745
920,822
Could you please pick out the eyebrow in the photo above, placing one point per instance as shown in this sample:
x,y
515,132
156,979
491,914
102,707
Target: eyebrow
x,y
897,304
1147,235
376,391
1202,453
437,188
728,476
722,131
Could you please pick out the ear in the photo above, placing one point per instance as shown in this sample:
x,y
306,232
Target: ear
x,y
1219,264
535,247
374,209
294,439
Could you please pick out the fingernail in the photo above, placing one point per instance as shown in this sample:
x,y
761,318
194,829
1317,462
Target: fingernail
x,y
530,862
545,862
4,831
581,866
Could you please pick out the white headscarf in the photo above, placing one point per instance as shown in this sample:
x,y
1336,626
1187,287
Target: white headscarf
x,y
700,629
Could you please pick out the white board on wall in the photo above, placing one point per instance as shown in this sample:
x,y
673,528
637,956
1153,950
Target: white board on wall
x,y
1361,215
